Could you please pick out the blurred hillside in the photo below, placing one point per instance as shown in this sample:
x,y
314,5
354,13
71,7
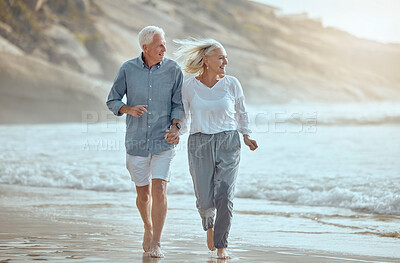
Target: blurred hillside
x,y
58,58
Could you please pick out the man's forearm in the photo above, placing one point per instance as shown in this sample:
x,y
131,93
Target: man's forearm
x,y
124,109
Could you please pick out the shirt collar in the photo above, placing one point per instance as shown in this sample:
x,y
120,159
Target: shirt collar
x,y
141,62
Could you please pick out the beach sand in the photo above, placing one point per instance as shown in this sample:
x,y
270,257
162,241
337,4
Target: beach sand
x,y
57,225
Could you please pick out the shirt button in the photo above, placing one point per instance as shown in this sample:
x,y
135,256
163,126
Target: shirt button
x,y
149,126
150,99
150,86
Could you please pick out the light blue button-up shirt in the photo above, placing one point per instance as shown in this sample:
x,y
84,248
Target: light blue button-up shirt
x,y
159,87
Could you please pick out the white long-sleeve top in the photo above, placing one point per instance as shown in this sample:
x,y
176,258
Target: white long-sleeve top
x,y
216,109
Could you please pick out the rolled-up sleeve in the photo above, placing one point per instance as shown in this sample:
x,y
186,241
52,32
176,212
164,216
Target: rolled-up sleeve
x,y
241,116
176,102
117,92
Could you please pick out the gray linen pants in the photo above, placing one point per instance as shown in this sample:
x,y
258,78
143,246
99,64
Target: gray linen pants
x,y
213,164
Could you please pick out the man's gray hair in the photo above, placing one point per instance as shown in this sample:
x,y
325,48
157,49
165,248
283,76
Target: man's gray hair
x,y
147,34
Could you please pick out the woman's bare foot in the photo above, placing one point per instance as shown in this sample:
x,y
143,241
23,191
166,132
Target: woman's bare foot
x,y
148,235
156,251
210,239
222,254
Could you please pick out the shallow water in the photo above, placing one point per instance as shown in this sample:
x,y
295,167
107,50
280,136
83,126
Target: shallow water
x,y
328,185
257,224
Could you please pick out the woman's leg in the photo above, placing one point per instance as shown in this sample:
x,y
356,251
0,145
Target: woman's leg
x,y
227,160
201,166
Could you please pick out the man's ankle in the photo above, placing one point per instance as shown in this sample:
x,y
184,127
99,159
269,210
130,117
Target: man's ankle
x,y
148,227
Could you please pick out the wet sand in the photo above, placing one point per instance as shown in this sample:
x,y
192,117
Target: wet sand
x,y
56,225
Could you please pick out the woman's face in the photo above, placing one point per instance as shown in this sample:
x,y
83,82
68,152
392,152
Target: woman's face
x,y
217,61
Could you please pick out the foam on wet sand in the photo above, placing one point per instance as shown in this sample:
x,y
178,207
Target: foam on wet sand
x,y
60,224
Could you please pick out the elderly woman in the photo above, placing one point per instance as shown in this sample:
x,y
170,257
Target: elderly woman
x,y
214,106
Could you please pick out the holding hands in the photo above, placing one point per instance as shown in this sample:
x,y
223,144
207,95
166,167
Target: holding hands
x,y
172,134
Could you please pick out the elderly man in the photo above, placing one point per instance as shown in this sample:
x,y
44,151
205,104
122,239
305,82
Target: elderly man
x,y
152,85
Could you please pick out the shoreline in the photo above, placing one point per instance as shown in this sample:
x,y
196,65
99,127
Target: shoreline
x,y
36,225
33,238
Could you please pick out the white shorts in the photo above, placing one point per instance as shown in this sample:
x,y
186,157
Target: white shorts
x,y
144,169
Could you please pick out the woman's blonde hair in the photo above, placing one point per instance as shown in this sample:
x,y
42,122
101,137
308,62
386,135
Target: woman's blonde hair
x,y
192,51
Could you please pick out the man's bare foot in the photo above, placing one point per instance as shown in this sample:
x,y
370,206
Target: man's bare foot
x,y
210,239
156,251
148,235
222,254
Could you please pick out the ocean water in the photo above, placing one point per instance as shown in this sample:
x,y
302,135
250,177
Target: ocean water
x,y
330,172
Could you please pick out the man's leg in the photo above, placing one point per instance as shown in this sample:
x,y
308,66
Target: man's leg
x,y
158,214
139,169
160,169
143,203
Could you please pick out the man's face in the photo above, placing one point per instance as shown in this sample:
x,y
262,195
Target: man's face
x,y
154,52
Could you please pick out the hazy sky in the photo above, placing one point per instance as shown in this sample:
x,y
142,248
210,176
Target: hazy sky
x,y
372,19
